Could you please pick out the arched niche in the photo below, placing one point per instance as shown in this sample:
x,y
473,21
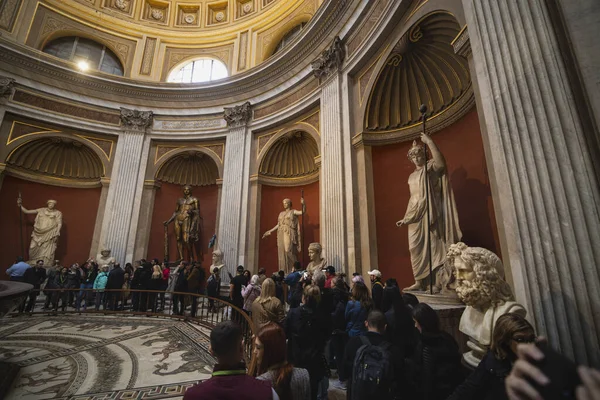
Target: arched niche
x,y
178,153
420,67
60,160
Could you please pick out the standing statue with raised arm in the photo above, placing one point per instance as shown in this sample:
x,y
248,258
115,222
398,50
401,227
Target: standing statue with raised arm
x,y
187,225
443,229
46,230
289,242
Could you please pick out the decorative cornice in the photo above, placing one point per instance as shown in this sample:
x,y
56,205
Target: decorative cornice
x,y
462,44
239,115
136,120
330,61
7,86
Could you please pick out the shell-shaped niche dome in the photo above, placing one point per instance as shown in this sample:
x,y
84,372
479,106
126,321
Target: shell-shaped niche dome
x,y
189,168
58,157
422,69
291,156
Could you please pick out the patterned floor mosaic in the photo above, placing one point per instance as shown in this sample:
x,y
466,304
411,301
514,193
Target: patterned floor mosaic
x,y
103,357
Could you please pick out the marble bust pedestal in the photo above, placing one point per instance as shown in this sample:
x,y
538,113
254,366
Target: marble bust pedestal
x,y
478,326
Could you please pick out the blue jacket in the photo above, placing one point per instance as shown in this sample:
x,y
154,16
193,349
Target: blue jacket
x,y
356,316
100,282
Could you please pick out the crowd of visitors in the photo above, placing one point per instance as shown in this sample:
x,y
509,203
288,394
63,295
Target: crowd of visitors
x,y
374,342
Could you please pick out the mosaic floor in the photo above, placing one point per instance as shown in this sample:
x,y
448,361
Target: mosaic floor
x,y
101,357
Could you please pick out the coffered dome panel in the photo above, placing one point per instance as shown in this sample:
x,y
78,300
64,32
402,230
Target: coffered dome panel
x,y
291,156
58,157
190,168
422,69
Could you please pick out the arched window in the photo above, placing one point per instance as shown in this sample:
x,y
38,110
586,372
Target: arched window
x,y
82,50
199,70
288,37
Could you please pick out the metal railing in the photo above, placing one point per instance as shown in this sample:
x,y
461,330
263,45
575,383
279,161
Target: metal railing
x,y
191,307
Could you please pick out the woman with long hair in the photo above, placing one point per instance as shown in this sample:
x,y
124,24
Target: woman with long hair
x,y
487,381
436,356
267,307
306,344
400,329
271,364
357,310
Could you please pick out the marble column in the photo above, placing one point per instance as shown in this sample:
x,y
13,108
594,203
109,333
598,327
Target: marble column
x,y
142,237
233,213
124,195
545,191
366,210
336,227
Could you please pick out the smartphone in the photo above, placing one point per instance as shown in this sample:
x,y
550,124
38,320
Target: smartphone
x,y
561,372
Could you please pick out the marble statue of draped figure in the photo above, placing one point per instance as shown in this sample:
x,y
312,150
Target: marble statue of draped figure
x,y
443,229
289,242
46,230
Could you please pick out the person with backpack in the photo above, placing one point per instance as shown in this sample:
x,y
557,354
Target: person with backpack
x,y
357,310
373,365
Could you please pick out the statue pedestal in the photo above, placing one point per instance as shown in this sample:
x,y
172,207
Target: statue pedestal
x,y
450,299
449,316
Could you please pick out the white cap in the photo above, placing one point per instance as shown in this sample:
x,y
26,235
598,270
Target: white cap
x,y
375,272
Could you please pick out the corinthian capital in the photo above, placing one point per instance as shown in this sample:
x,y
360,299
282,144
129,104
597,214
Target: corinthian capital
x,y
135,119
238,115
331,60
6,86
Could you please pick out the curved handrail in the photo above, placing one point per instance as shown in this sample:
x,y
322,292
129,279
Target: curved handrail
x,y
205,310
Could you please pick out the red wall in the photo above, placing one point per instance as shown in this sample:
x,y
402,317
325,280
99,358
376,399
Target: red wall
x,y
270,207
165,203
78,207
462,146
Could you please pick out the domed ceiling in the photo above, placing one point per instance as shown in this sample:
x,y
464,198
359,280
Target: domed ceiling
x,y
153,37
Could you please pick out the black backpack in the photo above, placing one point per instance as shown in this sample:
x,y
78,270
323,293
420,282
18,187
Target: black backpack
x,y
373,371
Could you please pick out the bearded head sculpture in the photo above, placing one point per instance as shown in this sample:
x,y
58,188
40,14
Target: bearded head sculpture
x,y
479,277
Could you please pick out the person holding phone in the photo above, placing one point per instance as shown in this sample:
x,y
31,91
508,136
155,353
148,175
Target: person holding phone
x,y
486,382
530,373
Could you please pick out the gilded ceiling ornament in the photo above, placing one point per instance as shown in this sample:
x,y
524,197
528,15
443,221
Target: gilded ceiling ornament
x,y
331,59
238,115
122,4
220,16
157,14
6,86
189,18
247,7
136,119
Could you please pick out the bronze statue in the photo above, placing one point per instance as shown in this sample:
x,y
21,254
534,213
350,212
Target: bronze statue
x,y
187,225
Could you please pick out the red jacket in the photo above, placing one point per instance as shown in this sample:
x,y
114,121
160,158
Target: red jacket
x,y
232,385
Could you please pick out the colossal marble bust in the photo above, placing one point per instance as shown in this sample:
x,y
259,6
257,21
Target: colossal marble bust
x,y
443,229
481,286
46,230
187,224
104,258
217,260
288,235
317,262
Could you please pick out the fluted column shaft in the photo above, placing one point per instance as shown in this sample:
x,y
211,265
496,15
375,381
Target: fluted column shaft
x,y
546,193
333,227
124,196
234,199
